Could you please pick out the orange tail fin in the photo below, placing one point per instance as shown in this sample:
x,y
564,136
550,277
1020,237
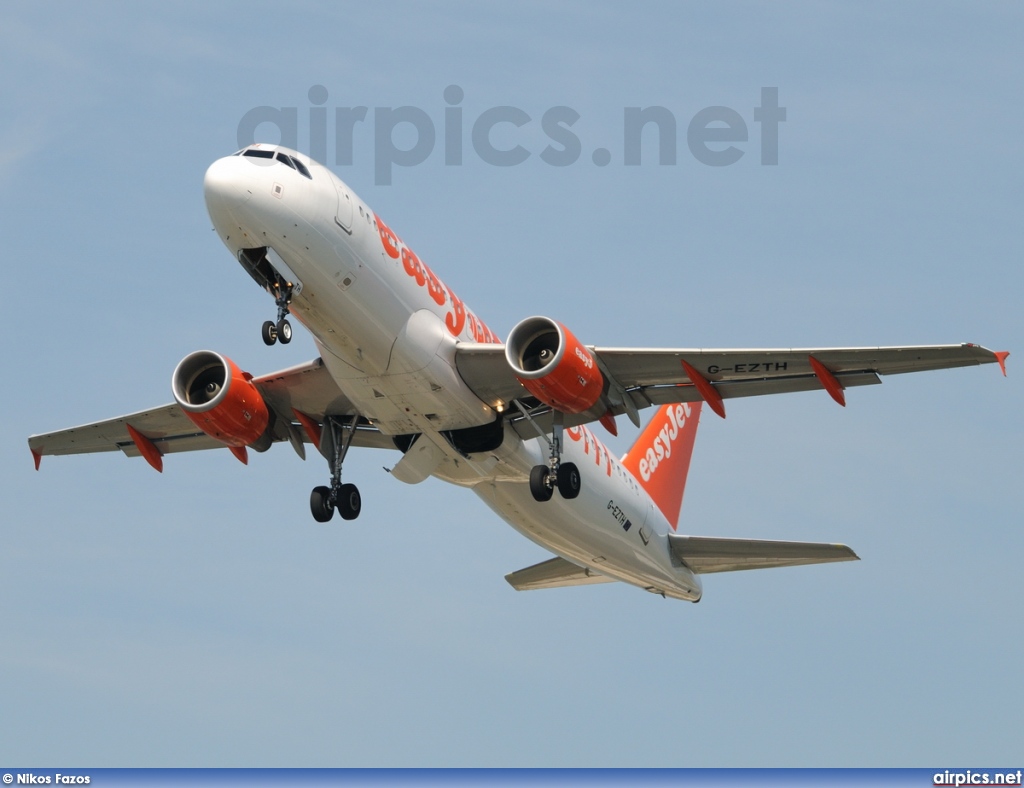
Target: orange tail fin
x,y
660,457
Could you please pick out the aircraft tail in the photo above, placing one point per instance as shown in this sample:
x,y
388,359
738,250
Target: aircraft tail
x,y
660,457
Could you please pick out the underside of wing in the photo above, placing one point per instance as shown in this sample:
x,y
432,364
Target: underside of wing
x,y
166,426
555,573
647,367
704,554
308,389
660,376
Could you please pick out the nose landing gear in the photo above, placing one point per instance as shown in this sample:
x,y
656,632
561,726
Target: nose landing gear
x,y
281,331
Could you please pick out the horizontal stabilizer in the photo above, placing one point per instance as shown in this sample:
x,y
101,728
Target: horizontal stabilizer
x,y
555,573
705,554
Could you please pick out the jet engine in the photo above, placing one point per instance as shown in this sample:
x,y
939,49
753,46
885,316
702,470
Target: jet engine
x,y
221,400
553,366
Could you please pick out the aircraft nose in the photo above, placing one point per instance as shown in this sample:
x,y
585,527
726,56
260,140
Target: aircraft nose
x,y
224,183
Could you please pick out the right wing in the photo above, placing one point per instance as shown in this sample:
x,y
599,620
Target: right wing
x,y
555,573
307,388
642,377
706,554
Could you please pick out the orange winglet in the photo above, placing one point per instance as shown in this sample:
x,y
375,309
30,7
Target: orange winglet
x,y
706,389
1001,358
147,448
240,453
38,457
310,425
828,380
608,422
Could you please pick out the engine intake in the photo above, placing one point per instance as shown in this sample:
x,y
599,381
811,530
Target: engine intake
x,y
221,400
553,366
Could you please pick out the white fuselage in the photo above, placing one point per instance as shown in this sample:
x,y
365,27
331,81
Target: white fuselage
x,y
387,328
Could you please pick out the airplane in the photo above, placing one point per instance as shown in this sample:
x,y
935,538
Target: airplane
x,y
405,364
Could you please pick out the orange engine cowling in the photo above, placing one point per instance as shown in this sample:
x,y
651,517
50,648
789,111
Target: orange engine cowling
x,y
221,400
553,366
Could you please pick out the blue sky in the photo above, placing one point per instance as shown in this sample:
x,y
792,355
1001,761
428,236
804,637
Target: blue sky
x,y
201,618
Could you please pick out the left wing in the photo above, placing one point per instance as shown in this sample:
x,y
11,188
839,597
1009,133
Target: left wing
x,y
656,377
307,388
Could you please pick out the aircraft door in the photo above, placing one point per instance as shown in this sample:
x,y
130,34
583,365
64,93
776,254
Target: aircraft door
x,y
343,214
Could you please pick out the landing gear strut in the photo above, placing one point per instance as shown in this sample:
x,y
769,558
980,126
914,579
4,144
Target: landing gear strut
x,y
281,331
563,475
343,498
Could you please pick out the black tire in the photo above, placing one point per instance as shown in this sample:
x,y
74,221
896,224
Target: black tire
x,y
320,504
350,503
569,482
284,332
538,484
269,333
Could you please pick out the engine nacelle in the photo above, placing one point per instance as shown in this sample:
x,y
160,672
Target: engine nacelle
x,y
553,366
221,400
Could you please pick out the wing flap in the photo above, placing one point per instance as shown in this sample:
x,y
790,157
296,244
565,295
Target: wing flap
x,y
683,392
555,573
705,554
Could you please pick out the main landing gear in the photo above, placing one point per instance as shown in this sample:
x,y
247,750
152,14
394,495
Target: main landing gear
x,y
563,475
343,498
281,331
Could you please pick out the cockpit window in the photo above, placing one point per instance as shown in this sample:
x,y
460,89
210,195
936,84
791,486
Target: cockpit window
x,y
284,158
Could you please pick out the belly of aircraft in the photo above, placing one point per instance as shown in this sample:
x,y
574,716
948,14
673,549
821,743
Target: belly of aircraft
x,y
573,530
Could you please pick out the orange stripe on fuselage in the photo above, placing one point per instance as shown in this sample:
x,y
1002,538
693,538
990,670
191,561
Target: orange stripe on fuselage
x,y
592,445
458,318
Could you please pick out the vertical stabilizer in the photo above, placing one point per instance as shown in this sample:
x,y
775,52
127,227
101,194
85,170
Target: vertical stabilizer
x,y
660,457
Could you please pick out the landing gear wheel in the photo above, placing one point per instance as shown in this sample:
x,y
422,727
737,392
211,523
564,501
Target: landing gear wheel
x,y
284,332
350,503
270,333
338,433
320,504
539,484
569,482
